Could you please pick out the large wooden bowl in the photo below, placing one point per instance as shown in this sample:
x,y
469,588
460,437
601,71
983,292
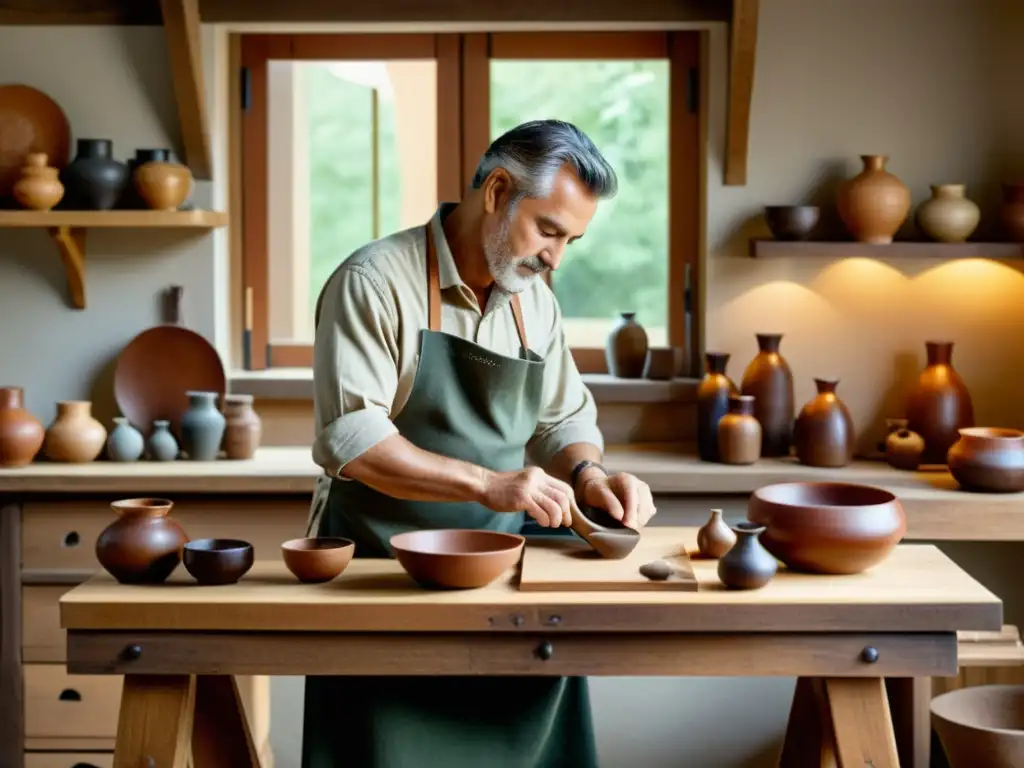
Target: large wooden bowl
x,y
832,528
456,558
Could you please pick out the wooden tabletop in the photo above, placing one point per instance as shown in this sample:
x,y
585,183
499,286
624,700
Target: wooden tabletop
x,y
917,589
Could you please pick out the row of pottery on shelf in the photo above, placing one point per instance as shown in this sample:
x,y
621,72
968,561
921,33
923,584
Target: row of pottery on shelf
x,y
76,436
144,545
95,181
874,204
629,355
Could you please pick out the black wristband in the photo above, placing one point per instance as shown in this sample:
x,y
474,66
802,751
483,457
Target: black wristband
x,y
578,470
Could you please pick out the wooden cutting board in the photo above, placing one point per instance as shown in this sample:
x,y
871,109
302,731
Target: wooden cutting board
x,y
570,565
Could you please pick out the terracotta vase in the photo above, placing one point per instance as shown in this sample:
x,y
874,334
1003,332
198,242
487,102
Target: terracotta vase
x,y
988,460
143,546
715,538
626,350
739,433
21,433
163,186
747,565
712,403
873,204
74,436
904,449
939,406
824,432
948,216
243,427
1011,212
769,381
39,188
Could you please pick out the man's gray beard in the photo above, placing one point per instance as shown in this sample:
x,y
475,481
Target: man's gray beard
x,y
504,266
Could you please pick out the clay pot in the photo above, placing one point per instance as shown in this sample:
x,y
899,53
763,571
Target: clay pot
x,y
769,381
161,443
626,350
739,432
792,222
456,558
747,565
715,538
94,180
214,562
243,427
39,188
319,559
202,427
874,203
948,216
824,431
130,198
74,435
1011,212
125,442
903,449
143,546
988,459
21,433
939,406
833,528
712,403
981,725
163,186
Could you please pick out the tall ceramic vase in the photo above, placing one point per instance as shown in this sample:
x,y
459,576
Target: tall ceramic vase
x,y
626,350
21,433
824,433
939,405
202,427
874,203
769,381
948,216
712,403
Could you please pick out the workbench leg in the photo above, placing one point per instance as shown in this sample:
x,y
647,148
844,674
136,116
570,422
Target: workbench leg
x,y
861,722
155,724
809,742
220,733
910,700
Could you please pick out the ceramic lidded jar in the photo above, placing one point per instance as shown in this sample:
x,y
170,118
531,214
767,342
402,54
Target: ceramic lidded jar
x,y
873,204
94,180
1011,212
125,442
712,403
162,185
948,216
904,449
988,460
739,432
161,443
715,537
939,405
824,431
747,564
74,436
626,350
39,188
243,427
143,546
769,381
21,433
202,427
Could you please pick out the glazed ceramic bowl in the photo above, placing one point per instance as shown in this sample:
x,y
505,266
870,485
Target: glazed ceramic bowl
x,y
832,528
217,561
988,460
315,560
981,725
456,558
791,222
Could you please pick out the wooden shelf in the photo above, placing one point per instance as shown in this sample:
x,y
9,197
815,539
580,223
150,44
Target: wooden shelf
x,y
763,249
68,228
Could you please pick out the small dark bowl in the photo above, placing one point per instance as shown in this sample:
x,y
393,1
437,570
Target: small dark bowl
x,y
217,561
792,222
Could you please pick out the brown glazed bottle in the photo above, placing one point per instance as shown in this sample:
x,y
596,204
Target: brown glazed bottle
x,y
712,403
770,382
824,432
739,434
626,348
939,406
21,433
143,546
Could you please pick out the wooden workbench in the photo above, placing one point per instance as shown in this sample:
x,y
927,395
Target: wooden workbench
x,y
840,635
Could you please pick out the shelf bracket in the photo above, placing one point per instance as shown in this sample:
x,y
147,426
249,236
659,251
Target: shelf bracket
x,y
182,27
71,244
742,55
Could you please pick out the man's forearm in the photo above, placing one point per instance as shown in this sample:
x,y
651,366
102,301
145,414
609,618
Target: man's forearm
x,y
564,462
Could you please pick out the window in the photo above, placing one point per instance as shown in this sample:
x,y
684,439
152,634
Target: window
x,y
351,137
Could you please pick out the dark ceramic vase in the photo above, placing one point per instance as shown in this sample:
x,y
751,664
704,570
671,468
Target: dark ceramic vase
x,y
94,180
940,405
747,565
824,432
712,403
143,546
626,350
769,381
130,198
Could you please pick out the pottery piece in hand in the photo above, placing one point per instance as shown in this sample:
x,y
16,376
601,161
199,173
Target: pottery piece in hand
x,y
143,546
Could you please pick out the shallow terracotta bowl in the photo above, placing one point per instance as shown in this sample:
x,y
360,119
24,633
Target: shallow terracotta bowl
x,y
217,561
317,559
456,558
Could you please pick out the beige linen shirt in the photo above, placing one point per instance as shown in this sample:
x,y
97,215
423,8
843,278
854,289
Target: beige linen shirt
x,y
366,352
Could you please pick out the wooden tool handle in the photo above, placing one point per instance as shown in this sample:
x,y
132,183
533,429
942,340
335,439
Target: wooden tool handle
x,y
175,295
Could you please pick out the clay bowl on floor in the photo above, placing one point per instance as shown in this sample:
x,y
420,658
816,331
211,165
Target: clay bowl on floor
x,y
982,725
456,558
833,528
217,561
315,560
791,222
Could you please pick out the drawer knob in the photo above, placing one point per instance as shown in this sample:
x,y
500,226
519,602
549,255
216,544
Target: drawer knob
x,y
545,650
131,652
869,654
70,694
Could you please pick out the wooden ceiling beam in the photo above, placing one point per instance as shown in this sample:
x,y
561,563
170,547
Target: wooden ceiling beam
x,y
181,23
742,54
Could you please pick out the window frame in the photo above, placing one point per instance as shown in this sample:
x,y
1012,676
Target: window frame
x,y
463,131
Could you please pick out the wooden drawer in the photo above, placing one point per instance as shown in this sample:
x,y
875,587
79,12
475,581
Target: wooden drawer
x,y
42,639
62,535
69,760
63,706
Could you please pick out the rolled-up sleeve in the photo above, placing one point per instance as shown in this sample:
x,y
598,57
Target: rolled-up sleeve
x,y
569,414
355,369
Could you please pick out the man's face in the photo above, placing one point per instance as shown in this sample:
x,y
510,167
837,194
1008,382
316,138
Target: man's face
x,y
530,239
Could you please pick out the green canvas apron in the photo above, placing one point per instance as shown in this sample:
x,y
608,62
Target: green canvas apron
x,y
472,404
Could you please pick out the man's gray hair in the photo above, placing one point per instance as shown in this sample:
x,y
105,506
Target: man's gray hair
x,y
534,152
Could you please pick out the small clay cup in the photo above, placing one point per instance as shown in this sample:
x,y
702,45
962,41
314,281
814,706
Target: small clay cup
x,y
792,222
456,558
217,561
316,560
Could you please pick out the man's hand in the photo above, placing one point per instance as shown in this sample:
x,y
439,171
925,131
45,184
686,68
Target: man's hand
x,y
623,496
544,498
